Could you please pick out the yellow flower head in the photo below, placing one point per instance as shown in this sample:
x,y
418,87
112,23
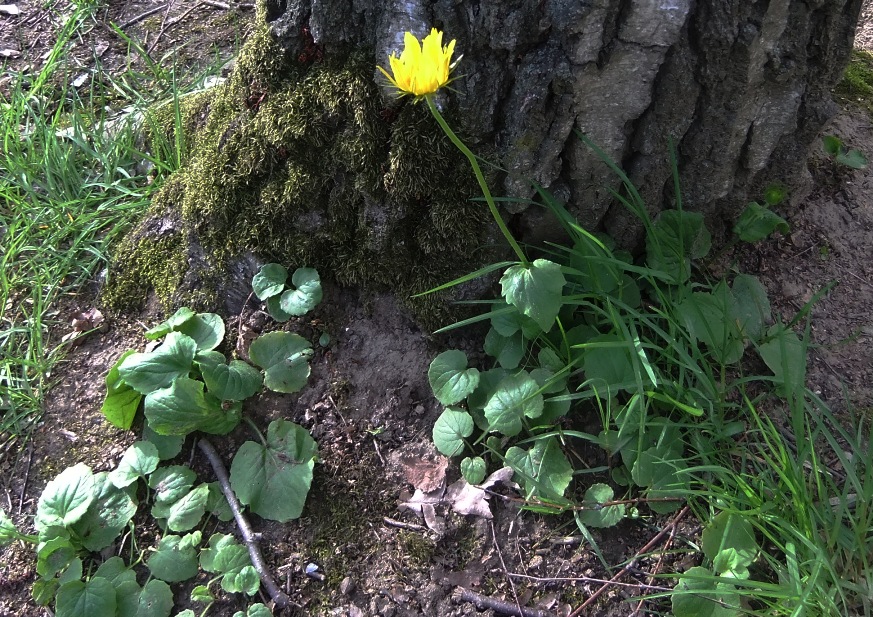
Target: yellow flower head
x,y
422,68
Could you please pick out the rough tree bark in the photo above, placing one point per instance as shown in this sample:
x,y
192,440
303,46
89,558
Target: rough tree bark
x,y
741,86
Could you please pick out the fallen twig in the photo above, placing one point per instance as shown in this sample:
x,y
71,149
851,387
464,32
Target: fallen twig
x,y
503,564
279,597
26,476
135,20
499,606
402,525
630,564
228,7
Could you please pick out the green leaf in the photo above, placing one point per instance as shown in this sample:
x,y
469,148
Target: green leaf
x,y
184,513
284,356
234,382
202,595
217,503
171,483
707,317
66,498
751,307
8,532
138,461
450,429
507,350
168,446
177,319
543,470
449,377
832,144
306,297
233,556
730,531
598,516
676,238
274,480
853,158
516,396
183,408
80,599
508,320
535,290
607,361
662,470
147,372
785,354
206,329
473,469
175,558
757,222
121,400
246,581
269,281
699,594
155,600
255,610
274,308
115,571
107,516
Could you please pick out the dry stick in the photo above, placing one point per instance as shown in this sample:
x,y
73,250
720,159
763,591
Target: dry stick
x,y
280,598
402,525
584,579
151,46
657,569
26,476
485,602
629,565
141,16
228,7
503,563
176,20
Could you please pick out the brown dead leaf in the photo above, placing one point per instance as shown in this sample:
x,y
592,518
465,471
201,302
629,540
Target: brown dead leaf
x,y
425,474
87,320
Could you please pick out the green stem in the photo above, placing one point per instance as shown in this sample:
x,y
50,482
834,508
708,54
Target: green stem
x,y
486,192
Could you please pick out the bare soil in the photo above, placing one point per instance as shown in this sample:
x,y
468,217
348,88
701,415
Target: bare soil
x,y
369,406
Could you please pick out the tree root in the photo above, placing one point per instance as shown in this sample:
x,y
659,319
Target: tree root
x,y
279,597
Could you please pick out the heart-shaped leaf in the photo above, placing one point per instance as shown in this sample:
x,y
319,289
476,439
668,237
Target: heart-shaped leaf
x,y
207,330
107,516
86,599
138,461
730,531
535,289
269,281
543,470
168,446
507,350
307,294
596,515
473,469
284,356
155,600
182,408
66,498
147,372
184,513
274,480
449,377
162,329
175,558
121,400
450,429
676,238
171,483
516,396
234,382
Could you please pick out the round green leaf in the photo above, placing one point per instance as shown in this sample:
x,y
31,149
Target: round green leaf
x,y
507,350
186,513
598,516
107,516
274,480
147,372
171,483
207,330
543,470
234,382
182,408
274,308
66,498
81,599
449,377
175,558
269,281
516,397
730,531
155,600
473,469
168,446
450,429
284,356
307,295
699,594
535,289
138,461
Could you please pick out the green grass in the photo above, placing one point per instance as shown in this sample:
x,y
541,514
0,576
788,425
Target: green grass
x,y
72,179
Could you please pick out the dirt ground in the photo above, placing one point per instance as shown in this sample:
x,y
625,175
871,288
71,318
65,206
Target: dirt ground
x,y
369,407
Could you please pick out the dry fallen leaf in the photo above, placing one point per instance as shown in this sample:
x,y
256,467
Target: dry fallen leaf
x,y
87,320
425,473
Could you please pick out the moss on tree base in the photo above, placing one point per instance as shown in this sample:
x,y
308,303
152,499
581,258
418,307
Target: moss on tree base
x,y
303,165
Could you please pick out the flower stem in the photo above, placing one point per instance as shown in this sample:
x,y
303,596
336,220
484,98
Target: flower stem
x,y
486,192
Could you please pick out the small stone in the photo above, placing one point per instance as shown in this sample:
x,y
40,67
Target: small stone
x,y
347,586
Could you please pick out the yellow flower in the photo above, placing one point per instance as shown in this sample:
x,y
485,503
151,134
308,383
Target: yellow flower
x,y
422,68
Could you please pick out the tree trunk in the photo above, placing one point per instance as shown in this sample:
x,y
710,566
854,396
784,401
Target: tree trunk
x,y
740,86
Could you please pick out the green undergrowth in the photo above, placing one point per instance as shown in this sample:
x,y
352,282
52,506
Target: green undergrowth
x,y
73,177
856,87
305,163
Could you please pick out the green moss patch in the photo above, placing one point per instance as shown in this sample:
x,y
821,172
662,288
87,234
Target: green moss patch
x,y
304,165
856,86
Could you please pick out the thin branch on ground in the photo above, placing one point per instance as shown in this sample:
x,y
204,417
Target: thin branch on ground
x,y
503,565
21,493
657,569
400,524
279,597
630,564
483,603
135,20
585,579
228,7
